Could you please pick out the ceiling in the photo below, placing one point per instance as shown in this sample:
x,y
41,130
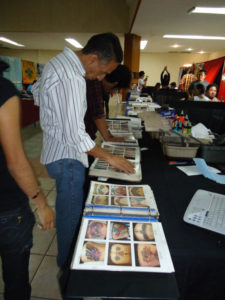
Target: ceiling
x,y
154,19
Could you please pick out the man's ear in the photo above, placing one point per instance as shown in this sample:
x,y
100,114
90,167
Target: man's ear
x,y
92,58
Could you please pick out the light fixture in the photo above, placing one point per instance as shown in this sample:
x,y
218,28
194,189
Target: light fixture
x,y
207,10
74,42
201,52
5,40
187,65
143,44
193,37
175,46
189,49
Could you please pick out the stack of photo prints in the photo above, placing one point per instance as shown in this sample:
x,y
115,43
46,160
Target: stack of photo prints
x,y
120,231
101,168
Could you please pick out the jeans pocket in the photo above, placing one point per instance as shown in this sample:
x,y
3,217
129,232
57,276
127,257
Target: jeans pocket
x,y
16,233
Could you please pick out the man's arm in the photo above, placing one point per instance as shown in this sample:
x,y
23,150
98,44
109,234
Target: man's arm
x,y
117,161
17,162
102,126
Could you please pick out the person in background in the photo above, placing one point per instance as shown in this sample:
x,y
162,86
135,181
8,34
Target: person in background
x,y
95,118
200,79
165,78
61,95
121,75
186,80
211,92
18,182
173,85
199,92
141,81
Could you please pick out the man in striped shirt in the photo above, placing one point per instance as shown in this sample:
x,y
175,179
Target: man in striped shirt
x,y
61,95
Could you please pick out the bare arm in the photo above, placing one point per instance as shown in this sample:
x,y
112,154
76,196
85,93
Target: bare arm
x,y
117,161
102,126
17,162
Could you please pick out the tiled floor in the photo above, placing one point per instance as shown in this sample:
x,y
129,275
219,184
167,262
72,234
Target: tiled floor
x,y
43,268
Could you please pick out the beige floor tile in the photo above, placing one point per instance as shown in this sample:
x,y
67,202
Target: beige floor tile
x,y
53,250
35,261
51,197
45,282
46,183
41,240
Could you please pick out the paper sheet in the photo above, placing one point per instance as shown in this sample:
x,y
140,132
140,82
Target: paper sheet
x,y
206,172
192,170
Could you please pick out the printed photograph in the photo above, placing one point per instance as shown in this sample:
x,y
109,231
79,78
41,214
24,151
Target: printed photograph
x,y
103,200
92,252
118,190
119,201
138,202
143,232
101,189
96,230
119,254
136,191
119,231
146,255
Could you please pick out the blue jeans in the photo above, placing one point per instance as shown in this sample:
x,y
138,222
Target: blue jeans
x,y
15,243
70,177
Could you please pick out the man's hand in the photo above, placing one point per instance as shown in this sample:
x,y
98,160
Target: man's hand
x,y
121,163
115,139
47,217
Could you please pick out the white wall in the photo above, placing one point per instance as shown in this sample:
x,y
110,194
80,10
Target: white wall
x,y
153,63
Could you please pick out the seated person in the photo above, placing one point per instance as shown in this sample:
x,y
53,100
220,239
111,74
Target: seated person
x,y
165,78
187,80
199,93
211,92
200,79
96,90
142,81
173,85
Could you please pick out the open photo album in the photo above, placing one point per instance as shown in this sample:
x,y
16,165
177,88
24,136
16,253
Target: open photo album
x,y
101,168
118,126
122,241
128,152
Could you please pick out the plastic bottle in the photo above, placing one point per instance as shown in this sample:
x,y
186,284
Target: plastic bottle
x,y
189,127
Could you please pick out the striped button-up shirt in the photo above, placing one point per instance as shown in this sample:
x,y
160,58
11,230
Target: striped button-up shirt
x,y
61,95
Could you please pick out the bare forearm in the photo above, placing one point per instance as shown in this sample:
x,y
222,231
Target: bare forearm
x,y
102,126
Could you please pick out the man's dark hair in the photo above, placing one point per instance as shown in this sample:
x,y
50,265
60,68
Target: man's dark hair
x,y
202,70
173,84
200,87
141,73
106,46
122,75
3,67
211,85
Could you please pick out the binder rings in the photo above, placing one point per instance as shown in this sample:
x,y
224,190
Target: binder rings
x,y
120,231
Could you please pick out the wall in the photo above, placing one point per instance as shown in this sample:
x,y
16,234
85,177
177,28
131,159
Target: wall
x,y
39,56
153,63
64,15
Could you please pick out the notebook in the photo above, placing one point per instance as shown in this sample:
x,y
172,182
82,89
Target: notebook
x,y
207,210
120,231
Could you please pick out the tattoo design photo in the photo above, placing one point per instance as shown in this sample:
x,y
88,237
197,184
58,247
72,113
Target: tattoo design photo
x,y
96,230
120,231
143,232
92,252
146,255
119,254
